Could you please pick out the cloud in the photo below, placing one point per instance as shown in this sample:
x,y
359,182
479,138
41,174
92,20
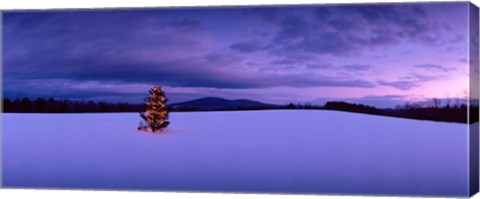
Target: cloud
x,y
381,101
221,59
293,59
323,13
291,27
71,89
186,24
351,30
320,66
408,82
402,85
270,14
248,46
192,48
434,67
83,46
283,62
383,97
307,80
357,67
342,24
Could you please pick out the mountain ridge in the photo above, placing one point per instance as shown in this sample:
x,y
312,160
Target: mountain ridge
x,y
208,103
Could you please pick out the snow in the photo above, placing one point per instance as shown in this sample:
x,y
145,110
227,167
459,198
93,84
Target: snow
x,y
274,151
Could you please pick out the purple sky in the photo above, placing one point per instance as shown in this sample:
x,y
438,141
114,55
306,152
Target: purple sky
x,y
381,55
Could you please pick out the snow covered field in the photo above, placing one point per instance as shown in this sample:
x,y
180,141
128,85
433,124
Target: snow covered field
x,y
281,151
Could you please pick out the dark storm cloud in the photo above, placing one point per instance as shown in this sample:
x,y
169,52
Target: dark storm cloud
x,y
59,89
347,30
291,28
201,47
128,48
267,13
87,47
322,13
342,24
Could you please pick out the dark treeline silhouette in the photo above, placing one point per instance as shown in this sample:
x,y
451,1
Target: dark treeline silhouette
x,y
245,108
51,105
344,106
433,111
457,113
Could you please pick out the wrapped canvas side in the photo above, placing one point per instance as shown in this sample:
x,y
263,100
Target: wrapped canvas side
x,y
474,97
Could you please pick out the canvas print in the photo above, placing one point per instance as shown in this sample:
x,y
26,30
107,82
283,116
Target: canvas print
x,y
352,99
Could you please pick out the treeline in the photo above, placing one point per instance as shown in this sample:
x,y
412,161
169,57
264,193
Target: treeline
x,y
448,113
244,108
357,108
51,105
434,112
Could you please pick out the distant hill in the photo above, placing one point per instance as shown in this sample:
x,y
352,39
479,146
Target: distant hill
x,y
448,112
216,103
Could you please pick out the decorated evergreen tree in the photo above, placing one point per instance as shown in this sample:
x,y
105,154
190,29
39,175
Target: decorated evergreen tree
x,y
156,114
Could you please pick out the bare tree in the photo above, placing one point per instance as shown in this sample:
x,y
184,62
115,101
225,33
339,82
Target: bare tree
x,y
436,103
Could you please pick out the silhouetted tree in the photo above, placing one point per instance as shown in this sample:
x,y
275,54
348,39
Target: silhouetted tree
x,y
156,114
7,105
51,105
91,106
103,106
63,106
26,105
291,106
344,106
436,103
448,102
40,105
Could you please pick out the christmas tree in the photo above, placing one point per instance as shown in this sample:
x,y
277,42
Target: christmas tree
x,y
156,114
